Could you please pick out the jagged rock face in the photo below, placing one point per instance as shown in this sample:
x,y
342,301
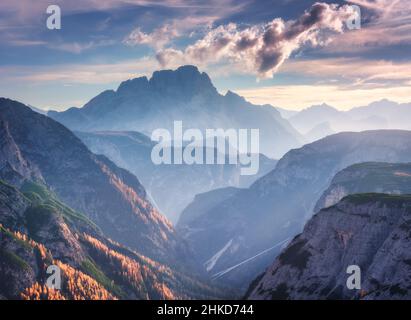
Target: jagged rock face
x,y
276,207
13,167
37,230
183,95
12,206
171,187
19,263
111,197
390,178
371,231
16,272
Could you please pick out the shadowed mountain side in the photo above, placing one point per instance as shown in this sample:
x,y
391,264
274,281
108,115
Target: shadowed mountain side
x,y
370,231
171,187
111,197
37,230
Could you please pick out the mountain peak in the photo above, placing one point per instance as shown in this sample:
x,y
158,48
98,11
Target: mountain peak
x,y
322,106
187,80
133,85
188,68
184,80
232,95
383,103
182,71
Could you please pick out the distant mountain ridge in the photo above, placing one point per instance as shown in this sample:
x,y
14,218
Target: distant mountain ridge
x,y
171,187
185,95
383,114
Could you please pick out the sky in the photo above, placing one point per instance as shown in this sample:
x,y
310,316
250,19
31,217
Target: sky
x,y
287,53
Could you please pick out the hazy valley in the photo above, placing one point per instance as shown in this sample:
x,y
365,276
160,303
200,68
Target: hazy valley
x,y
79,190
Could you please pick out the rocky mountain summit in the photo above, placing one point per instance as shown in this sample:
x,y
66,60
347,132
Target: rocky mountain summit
x,y
186,95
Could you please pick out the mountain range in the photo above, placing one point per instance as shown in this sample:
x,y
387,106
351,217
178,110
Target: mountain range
x,y
247,229
319,121
37,148
186,95
61,204
78,189
171,187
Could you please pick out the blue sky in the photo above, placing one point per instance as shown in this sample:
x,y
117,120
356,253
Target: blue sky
x,y
290,53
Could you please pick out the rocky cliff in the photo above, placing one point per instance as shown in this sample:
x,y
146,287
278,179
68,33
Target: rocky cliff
x,y
111,197
369,177
371,231
37,230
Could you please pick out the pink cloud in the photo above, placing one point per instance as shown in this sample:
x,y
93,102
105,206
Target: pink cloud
x,y
389,24
263,48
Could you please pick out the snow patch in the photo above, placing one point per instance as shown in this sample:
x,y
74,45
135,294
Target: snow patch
x,y
209,264
222,273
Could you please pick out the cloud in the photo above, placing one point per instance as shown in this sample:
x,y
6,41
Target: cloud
x,y
297,97
262,48
388,22
157,39
164,35
92,74
353,71
78,47
23,21
25,10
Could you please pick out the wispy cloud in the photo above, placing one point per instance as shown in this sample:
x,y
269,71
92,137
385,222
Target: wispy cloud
x,y
81,74
156,39
165,34
352,71
388,23
297,97
23,20
78,47
200,32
